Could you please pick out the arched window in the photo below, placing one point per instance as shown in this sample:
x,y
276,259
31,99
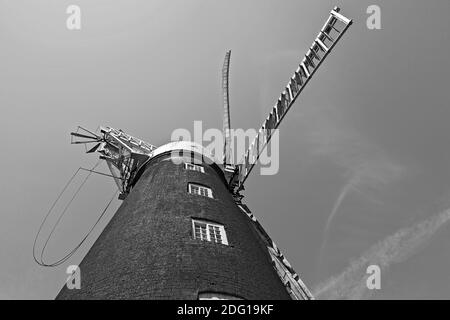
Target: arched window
x,y
216,296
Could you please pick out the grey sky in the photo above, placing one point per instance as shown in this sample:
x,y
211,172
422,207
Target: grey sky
x,y
375,115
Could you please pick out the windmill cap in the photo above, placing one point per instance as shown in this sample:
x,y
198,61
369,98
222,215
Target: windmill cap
x,y
188,146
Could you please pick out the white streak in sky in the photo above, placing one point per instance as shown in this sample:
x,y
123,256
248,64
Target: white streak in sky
x,y
370,174
352,183
351,284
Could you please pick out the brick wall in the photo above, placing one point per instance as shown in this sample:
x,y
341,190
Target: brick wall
x,y
147,251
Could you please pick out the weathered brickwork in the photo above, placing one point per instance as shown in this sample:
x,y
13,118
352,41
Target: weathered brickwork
x,y
147,251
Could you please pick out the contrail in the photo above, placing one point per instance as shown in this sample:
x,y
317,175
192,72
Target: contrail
x,y
353,182
351,284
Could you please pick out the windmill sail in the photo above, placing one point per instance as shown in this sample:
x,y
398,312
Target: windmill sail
x,y
227,156
332,31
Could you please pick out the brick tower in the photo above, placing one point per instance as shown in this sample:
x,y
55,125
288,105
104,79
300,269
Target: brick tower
x,y
178,235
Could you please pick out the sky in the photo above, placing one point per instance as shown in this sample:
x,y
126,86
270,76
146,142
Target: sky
x,y
364,159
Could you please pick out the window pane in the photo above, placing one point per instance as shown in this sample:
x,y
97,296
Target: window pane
x,y
209,232
194,167
200,190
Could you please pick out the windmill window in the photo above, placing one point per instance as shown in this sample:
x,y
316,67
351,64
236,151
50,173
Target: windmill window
x,y
216,296
208,231
194,167
200,190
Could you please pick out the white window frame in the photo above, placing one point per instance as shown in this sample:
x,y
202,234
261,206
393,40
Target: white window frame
x,y
200,190
194,167
206,235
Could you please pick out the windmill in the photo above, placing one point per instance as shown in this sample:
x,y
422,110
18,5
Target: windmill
x,y
159,216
